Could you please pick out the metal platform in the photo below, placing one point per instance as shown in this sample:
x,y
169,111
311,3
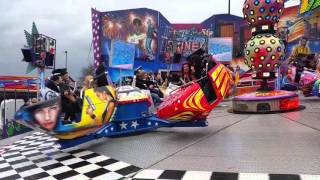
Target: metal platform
x,y
233,146
266,102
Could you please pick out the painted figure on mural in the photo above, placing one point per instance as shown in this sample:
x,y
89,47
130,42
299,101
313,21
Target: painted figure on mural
x,y
151,31
299,52
137,35
302,48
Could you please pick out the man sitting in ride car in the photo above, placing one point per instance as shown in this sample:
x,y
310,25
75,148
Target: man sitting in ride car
x,y
54,82
142,82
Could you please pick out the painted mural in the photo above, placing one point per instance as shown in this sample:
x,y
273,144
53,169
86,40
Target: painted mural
x,y
308,5
221,48
293,26
162,45
170,43
137,26
181,41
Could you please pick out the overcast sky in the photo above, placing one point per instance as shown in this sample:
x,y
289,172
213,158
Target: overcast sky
x,y
69,22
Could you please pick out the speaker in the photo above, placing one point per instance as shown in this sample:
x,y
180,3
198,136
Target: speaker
x,y
49,61
28,55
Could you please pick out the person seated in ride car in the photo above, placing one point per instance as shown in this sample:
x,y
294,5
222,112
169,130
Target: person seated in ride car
x,y
158,79
142,82
141,79
54,82
288,81
87,84
186,73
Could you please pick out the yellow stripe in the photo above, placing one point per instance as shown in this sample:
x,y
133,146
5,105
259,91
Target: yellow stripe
x,y
220,77
182,116
193,101
190,101
224,86
227,89
198,97
186,103
215,73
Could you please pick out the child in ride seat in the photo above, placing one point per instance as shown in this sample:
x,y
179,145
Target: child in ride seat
x,y
288,81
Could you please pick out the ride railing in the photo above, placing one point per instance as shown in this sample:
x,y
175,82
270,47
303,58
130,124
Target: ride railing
x,y
14,95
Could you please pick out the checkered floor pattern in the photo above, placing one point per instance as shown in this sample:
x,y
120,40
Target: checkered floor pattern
x,y
38,157
153,174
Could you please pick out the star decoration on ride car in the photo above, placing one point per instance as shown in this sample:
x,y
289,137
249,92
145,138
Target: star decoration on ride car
x,y
123,125
134,124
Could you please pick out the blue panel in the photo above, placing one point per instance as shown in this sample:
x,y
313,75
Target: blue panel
x,y
122,55
221,48
131,111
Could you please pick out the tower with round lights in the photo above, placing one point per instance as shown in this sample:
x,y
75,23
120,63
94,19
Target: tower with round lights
x,y
264,53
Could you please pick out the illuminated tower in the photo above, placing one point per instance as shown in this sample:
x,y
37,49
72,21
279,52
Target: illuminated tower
x,y
264,52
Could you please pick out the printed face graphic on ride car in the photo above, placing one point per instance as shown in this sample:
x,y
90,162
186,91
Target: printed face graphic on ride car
x,y
47,117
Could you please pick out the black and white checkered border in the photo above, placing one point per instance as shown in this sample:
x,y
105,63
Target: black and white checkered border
x,y
38,157
36,140
153,174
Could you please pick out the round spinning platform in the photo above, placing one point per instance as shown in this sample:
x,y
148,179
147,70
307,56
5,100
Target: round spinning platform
x,y
266,102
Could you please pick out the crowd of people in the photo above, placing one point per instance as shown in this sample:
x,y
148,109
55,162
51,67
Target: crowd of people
x,y
191,71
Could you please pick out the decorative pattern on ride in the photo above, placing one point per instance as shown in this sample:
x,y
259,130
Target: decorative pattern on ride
x,y
98,109
222,79
191,103
187,103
